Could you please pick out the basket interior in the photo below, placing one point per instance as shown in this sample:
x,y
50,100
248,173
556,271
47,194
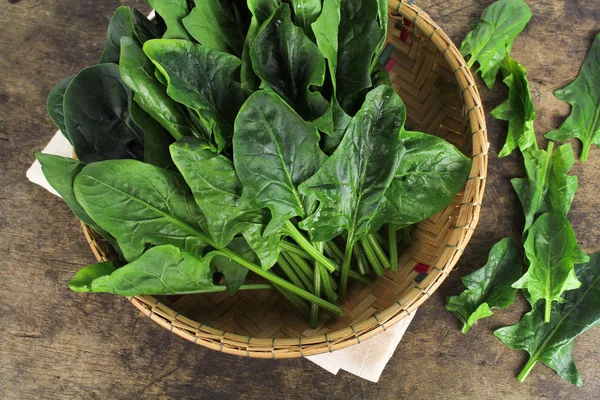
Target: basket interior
x,y
420,74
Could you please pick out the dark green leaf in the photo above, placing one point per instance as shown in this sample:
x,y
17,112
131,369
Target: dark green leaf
x,y
274,151
96,110
55,105
289,63
156,138
305,13
518,110
234,273
121,25
201,78
492,39
552,343
172,12
144,28
140,205
583,94
552,251
490,286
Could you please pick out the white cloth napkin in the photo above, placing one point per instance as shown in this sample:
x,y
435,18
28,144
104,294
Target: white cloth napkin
x,y
366,360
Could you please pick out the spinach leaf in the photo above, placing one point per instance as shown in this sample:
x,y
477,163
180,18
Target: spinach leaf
x,y
274,151
156,138
583,94
552,343
214,24
305,13
217,190
552,251
97,119
490,286
492,39
201,78
234,273
432,172
518,110
172,12
55,105
145,29
289,63
547,187
121,25
137,71
140,205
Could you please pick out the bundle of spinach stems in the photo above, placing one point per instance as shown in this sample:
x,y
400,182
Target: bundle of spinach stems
x,y
561,282
231,136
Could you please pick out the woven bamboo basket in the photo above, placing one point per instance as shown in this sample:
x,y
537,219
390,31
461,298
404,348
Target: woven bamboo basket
x,y
441,96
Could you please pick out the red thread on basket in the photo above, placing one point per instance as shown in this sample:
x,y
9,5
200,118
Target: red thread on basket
x,y
405,31
421,268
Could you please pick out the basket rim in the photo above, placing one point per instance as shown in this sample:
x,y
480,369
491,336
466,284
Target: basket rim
x,y
279,348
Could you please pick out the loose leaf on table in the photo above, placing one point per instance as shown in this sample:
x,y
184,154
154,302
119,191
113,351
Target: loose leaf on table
x,y
137,71
97,119
552,251
214,24
289,63
492,39
432,172
140,205
172,12
547,187
121,25
145,29
305,13
201,79
217,190
55,105
156,138
518,110
490,286
552,343
274,151
583,94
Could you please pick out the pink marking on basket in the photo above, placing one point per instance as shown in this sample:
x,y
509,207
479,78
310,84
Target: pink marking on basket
x,y
390,64
421,268
174,298
405,30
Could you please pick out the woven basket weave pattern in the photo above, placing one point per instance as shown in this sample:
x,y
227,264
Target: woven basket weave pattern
x,y
436,85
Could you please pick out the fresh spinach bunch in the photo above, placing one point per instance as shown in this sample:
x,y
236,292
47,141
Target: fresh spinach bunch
x,y
245,136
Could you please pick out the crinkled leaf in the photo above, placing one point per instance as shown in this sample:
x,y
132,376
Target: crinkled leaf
x,y
552,251
172,12
518,110
145,29
305,13
140,205
490,286
583,94
274,151
55,105
289,63
201,78
351,184
552,343
121,25
492,38
97,119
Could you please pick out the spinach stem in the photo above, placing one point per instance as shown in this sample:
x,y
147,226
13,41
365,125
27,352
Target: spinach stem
x,y
308,247
383,259
407,237
346,268
547,311
584,151
393,245
301,267
373,260
294,249
355,276
294,300
361,261
327,284
526,369
314,309
290,272
334,252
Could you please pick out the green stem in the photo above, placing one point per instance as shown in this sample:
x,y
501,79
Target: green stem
x,y
334,252
407,237
383,258
327,285
393,245
222,288
294,300
346,268
526,369
355,276
304,271
547,311
308,247
381,240
585,151
293,249
289,271
361,260
373,260
314,309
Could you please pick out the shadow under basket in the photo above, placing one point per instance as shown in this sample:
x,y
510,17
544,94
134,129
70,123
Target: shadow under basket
x,y
441,97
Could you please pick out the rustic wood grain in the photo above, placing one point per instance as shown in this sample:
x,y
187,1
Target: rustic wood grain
x,y
56,344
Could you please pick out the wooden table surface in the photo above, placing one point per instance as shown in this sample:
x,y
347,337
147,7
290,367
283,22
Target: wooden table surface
x,y
56,344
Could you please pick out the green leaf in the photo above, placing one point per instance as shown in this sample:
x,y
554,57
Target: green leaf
x,y
96,110
492,38
382,16
156,138
518,110
305,13
432,172
552,343
583,94
140,205
490,286
201,79
82,281
121,25
172,12
234,273
144,29
217,190
214,24
274,151
55,105
351,184
137,71
547,187
289,63
552,251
